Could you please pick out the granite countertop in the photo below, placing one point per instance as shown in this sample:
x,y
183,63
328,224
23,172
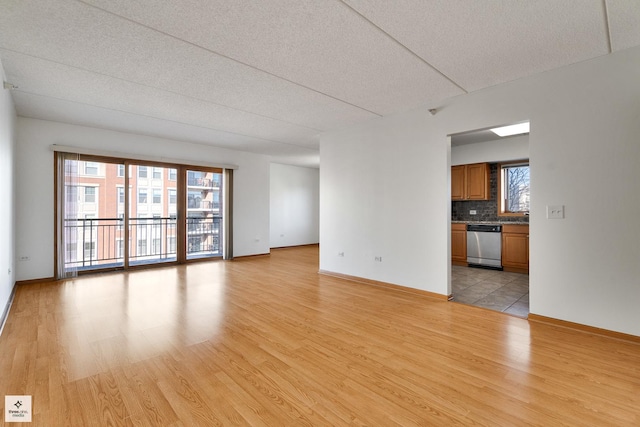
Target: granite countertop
x,y
492,222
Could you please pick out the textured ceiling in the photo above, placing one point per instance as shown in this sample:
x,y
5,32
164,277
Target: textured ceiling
x,y
269,76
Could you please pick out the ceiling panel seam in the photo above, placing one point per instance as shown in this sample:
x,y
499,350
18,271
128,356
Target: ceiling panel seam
x,y
434,68
162,119
607,24
158,88
230,58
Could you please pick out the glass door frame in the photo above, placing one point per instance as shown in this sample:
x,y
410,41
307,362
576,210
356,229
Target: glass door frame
x,y
132,197
181,211
220,210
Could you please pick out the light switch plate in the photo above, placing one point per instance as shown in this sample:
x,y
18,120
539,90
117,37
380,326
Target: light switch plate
x,y
555,211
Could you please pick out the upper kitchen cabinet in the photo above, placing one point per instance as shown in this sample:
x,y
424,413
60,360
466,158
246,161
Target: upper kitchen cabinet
x,y
470,182
458,182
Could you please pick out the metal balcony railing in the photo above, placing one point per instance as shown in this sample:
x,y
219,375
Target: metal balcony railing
x,y
203,182
198,203
155,239
203,236
93,243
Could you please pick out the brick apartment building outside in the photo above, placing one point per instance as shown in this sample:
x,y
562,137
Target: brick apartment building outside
x,y
95,234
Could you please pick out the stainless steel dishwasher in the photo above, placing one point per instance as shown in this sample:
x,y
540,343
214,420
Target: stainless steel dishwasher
x,y
484,246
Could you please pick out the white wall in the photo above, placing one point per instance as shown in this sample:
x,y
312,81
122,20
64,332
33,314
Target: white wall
x,y
295,205
384,188
35,192
7,192
501,150
380,187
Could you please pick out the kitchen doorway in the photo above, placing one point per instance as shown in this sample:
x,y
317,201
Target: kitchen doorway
x,y
481,194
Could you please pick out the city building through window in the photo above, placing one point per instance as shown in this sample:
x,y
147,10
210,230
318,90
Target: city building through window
x,y
109,227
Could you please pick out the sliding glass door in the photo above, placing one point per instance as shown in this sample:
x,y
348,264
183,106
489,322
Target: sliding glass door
x,y
91,234
152,214
204,215
153,208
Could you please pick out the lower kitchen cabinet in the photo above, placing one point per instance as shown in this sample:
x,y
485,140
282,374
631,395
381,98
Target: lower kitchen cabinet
x,y
515,248
459,244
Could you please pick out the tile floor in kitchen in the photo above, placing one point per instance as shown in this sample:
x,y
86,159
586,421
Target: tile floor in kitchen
x,y
495,290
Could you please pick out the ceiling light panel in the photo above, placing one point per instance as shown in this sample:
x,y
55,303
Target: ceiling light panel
x,y
516,129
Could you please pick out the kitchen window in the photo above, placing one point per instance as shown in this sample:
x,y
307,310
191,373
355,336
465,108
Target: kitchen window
x,y
514,188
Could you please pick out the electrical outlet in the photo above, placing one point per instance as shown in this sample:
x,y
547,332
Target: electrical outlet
x,y
555,211
378,258
340,254
472,212
25,258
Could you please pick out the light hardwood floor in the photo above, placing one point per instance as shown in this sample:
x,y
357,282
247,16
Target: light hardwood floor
x,y
266,341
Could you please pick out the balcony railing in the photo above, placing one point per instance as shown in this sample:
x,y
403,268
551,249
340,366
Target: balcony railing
x,y
203,182
93,243
203,236
155,240
197,203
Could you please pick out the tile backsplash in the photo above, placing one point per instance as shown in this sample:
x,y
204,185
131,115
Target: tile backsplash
x,y
486,210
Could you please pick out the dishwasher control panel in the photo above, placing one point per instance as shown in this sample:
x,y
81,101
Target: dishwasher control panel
x,y
486,228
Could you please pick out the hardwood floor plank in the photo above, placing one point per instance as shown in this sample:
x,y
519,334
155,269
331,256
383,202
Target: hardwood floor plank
x,y
267,341
41,389
183,394
156,409
250,408
106,394
82,404
254,383
216,392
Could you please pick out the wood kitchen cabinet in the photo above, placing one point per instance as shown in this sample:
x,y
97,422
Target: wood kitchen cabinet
x,y
515,248
459,244
470,182
458,183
